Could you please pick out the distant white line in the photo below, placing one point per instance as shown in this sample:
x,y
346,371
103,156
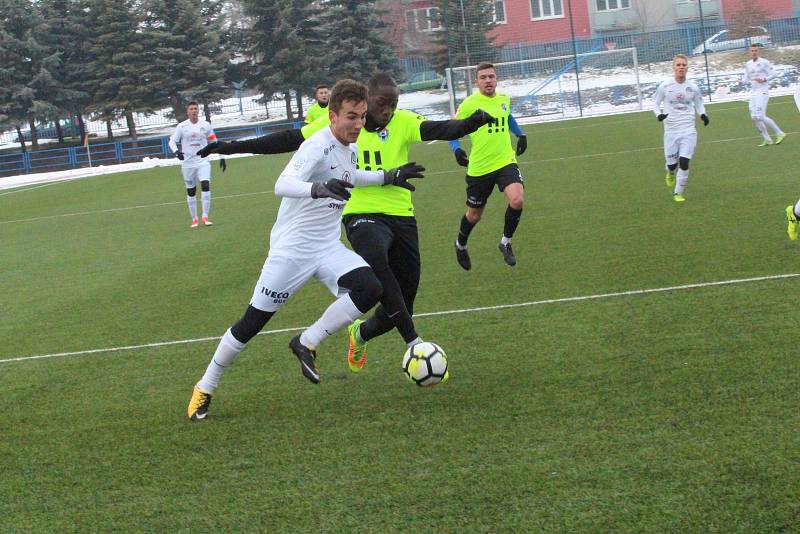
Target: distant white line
x,y
434,314
127,208
22,189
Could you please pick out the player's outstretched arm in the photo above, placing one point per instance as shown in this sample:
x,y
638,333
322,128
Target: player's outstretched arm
x,y
274,143
455,128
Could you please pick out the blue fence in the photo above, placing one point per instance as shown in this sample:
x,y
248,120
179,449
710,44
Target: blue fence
x,y
59,159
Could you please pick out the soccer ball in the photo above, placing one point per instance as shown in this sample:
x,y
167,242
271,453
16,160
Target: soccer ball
x,y
425,364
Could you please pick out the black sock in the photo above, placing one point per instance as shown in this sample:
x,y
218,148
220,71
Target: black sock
x,y
464,231
672,168
512,220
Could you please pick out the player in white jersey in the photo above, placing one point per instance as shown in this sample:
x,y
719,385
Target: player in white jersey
x,y
305,242
758,72
193,134
676,103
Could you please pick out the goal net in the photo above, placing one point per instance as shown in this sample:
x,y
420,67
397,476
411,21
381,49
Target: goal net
x,y
604,82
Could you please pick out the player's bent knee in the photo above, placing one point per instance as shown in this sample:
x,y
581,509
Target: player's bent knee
x,y
205,185
250,324
191,191
365,288
684,164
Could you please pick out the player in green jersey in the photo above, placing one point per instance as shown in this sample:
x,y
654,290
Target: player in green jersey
x,y
320,107
379,224
492,162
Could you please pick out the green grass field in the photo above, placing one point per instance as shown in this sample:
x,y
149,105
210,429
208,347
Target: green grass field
x,y
664,411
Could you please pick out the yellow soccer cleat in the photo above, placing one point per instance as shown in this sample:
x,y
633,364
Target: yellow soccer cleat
x,y
792,218
779,139
356,352
677,197
669,179
765,143
198,404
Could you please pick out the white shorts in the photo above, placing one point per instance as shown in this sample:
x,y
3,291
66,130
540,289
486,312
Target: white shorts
x,y
679,145
758,105
282,276
192,175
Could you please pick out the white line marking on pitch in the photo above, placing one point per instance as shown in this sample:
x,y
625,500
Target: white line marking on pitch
x,y
434,314
111,210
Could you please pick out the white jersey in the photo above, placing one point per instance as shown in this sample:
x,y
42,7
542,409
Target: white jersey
x,y
192,137
760,69
307,227
680,101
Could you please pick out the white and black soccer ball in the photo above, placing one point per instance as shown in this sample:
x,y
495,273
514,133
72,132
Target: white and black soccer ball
x,y
425,364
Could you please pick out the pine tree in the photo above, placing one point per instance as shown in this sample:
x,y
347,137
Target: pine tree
x,y
464,38
25,68
285,44
358,40
120,67
65,31
188,62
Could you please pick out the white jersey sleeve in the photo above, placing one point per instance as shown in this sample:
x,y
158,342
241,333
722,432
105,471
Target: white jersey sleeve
x,y
659,99
175,138
295,180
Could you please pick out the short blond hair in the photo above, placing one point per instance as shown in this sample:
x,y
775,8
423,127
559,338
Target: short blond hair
x,y
680,56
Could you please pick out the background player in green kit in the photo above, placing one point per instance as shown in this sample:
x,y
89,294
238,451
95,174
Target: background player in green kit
x,y
379,222
320,107
492,161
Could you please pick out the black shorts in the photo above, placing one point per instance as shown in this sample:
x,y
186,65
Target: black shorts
x,y
377,237
479,188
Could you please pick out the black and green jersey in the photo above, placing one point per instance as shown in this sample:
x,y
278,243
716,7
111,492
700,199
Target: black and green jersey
x,y
491,144
385,149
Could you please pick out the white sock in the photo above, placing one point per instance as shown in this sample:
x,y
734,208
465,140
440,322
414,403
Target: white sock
x,y
680,183
771,124
192,202
505,240
762,129
206,199
227,351
339,314
414,342
797,209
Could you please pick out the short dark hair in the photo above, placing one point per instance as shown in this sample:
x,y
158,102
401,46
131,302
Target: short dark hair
x,y
485,65
347,91
192,103
321,86
380,80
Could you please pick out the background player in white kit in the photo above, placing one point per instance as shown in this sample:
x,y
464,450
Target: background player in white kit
x,y
675,105
758,72
193,134
305,242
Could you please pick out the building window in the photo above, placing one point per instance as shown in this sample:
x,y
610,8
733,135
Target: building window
x,y
612,5
547,9
499,13
423,20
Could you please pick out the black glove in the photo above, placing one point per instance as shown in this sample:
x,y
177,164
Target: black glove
x,y
399,176
210,148
479,118
662,116
179,155
333,188
461,157
705,119
522,145
222,164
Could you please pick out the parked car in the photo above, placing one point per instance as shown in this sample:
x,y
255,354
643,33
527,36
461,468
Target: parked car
x,y
727,40
427,79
